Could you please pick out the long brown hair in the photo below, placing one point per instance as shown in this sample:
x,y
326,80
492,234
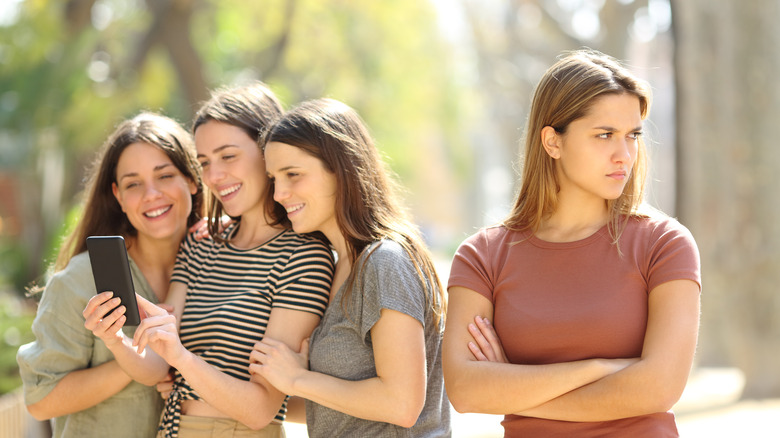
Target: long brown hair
x,y
102,215
367,205
252,108
564,94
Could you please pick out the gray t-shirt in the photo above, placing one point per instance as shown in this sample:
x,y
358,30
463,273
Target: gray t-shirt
x,y
341,345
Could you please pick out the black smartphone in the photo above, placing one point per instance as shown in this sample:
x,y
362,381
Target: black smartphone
x,y
111,271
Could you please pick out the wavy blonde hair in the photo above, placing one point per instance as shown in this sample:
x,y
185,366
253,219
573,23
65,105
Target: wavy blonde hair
x,y
566,93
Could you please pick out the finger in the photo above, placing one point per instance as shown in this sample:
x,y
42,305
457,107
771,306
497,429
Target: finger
x,y
197,225
481,342
96,301
492,337
167,307
305,348
477,352
147,307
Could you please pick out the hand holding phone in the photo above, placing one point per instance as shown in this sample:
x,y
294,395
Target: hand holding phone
x,y
111,271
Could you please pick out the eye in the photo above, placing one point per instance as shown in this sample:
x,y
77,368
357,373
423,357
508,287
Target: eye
x,y
635,135
203,164
292,174
166,176
131,185
228,157
604,135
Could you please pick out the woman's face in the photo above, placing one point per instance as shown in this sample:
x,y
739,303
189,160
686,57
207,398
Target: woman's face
x,y
233,167
595,156
303,187
153,193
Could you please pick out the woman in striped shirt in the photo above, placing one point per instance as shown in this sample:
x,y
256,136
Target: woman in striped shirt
x,y
255,278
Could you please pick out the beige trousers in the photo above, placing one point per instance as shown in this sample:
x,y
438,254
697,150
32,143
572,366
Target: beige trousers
x,y
208,427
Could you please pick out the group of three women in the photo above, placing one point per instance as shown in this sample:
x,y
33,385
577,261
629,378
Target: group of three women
x,y
321,287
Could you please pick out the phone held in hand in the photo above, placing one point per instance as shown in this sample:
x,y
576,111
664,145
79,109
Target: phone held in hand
x,y
111,271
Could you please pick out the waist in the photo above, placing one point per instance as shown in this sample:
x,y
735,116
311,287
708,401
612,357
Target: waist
x,y
199,408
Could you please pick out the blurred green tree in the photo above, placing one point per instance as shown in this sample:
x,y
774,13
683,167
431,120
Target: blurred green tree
x,y
70,70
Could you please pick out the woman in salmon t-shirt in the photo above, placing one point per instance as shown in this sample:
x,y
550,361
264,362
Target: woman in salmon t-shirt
x,y
578,315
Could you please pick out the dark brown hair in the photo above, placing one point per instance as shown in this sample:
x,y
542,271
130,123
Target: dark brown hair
x,y
367,205
102,215
253,109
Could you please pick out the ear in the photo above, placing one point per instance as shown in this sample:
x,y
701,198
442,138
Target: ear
x,y
115,189
193,186
551,142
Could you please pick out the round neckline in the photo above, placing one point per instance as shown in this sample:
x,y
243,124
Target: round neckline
x,y
230,245
597,235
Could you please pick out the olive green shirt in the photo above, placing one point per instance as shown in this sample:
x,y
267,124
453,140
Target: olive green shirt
x,y
62,344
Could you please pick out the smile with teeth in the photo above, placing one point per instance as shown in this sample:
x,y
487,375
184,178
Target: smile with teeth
x,y
158,212
229,190
293,208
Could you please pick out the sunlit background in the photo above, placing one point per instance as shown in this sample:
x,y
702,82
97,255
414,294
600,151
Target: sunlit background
x,y
444,86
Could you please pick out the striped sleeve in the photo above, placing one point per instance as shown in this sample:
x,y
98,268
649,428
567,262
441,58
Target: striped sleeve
x,y
304,285
182,269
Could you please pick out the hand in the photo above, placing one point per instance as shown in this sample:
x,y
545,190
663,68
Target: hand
x,y
104,318
201,227
275,362
159,331
486,346
165,386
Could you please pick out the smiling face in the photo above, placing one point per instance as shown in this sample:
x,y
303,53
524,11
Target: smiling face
x,y
304,188
153,193
596,154
233,167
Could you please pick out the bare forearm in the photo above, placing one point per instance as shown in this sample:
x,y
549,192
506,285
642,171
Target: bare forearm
x,y
370,399
502,388
637,390
247,402
81,389
146,368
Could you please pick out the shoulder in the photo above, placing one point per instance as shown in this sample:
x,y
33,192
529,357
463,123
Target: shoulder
x,y
76,273
302,245
659,227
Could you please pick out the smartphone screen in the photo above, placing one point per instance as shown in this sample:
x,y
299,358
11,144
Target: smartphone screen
x,y
111,271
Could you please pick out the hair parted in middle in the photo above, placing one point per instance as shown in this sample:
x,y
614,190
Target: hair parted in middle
x,y
368,208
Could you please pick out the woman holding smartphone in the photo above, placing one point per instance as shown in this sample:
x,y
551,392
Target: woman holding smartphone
x,y
254,279
375,364
144,186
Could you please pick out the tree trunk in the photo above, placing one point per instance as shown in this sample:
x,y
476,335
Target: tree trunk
x,y
728,103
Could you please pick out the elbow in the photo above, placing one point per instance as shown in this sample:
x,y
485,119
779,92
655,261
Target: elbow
x,y
458,393
407,411
38,412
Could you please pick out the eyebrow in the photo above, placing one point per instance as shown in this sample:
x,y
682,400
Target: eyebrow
x,y
219,149
156,169
611,129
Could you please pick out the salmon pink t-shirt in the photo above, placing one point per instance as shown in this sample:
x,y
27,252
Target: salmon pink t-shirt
x,y
565,301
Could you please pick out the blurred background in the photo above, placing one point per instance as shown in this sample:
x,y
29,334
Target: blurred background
x,y
444,86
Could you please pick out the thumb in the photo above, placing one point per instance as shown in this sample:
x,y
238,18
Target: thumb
x,y
305,348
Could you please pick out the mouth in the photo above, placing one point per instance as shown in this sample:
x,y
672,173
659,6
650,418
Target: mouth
x,y
619,175
293,208
228,190
152,214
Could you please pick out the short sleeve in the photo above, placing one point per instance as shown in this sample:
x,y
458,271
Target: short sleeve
x,y
389,280
471,267
62,342
673,255
183,271
305,283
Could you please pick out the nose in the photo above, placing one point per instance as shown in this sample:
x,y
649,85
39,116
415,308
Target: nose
x,y
280,192
152,192
624,150
212,174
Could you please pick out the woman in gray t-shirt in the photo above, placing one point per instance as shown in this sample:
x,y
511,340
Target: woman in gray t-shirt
x,y
375,359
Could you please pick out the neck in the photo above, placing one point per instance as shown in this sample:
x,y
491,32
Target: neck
x,y
574,220
254,231
155,258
